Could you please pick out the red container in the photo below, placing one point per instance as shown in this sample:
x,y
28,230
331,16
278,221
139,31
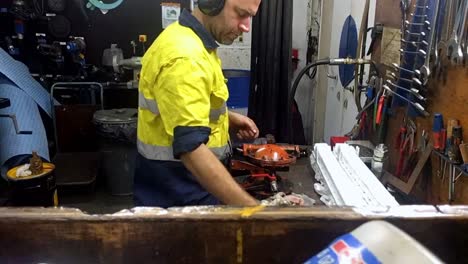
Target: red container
x,y
335,140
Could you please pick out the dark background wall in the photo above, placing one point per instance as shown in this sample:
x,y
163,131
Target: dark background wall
x,y
120,25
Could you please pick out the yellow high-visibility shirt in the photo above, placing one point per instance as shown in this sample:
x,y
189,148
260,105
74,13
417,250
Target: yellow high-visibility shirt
x,y
182,96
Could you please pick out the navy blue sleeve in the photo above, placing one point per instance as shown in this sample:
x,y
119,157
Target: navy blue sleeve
x,y
187,139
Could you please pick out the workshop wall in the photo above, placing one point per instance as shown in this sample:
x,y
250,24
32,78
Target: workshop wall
x,y
237,55
448,96
337,110
306,14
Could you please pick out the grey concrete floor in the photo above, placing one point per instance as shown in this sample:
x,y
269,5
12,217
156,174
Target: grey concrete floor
x,y
99,201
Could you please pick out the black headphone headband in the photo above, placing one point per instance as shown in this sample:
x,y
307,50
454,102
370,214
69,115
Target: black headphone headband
x,y
211,7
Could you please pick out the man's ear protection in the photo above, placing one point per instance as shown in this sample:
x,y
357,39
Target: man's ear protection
x,y
211,7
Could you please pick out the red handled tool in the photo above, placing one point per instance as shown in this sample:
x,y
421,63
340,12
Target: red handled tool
x,y
406,146
400,137
443,139
380,107
401,160
437,127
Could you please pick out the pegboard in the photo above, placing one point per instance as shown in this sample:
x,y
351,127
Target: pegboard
x,y
447,95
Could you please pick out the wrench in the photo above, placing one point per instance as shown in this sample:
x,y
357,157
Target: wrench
x,y
465,48
422,7
462,38
414,52
404,5
413,91
423,16
443,43
457,55
416,81
426,23
425,71
415,43
421,34
415,35
397,67
415,105
453,44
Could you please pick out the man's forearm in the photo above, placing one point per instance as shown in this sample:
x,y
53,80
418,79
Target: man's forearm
x,y
232,117
212,175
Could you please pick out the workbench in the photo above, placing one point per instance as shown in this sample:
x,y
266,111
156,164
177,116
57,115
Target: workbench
x,y
220,234
212,234
300,179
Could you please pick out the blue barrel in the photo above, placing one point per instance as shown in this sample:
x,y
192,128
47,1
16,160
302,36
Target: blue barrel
x,y
238,86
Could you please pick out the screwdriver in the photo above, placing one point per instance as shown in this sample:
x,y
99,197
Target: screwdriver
x,y
437,127
454,151
464,153
449,139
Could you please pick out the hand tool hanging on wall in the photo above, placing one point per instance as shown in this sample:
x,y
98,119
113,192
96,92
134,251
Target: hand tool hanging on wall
x,y
437,126
450,125
413,91
454,150
383,115
404,6
412,81
446,28
438,137
464,154
417,106
455,158
415,49
405,141
425,69
454,45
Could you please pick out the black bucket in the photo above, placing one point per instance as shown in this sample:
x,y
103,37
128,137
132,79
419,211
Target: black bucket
x,y
36,190
117,129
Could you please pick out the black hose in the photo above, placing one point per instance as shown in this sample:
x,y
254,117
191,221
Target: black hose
x,y
371,102
296,83
293,94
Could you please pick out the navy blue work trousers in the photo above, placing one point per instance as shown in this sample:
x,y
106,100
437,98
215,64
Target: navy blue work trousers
x,y
167,184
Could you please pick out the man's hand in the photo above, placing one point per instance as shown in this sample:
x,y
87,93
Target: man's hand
x,y
244,127
212,175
